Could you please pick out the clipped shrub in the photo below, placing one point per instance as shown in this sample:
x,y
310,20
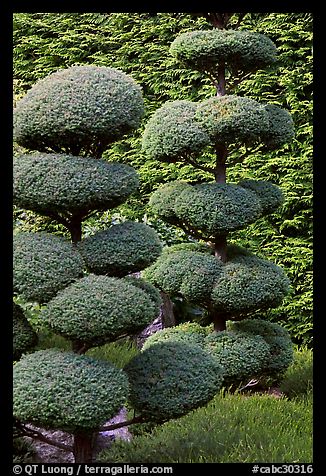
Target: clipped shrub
x,y
78,108
152,292
270,195
120,250
195,246
241,355
172,132
187,332
189,273
240,50
43,264
280,127
162,201
278,339
216,209
232,119
24,336
97,309
64,183
62,390
170,379
249,283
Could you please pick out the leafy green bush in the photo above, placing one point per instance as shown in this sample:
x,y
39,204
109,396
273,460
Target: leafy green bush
x,y
216,209
122,249
187,332
278,339
55,389
43,264
78,108
73,184
96,309
298,379
170,379
242,356
240,50
190,273
24,336
230,429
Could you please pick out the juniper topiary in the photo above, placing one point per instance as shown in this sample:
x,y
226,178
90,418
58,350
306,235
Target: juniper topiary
x,y
69,119
169,379
229,283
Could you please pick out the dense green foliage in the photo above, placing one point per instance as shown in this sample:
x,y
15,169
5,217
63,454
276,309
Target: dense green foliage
x,y
230,429
239,50
43,264
187,332
56,389
64,183
243,284
96,309
121,250
139,45
82,108
153,293
278,339
24,336
170,379
215,208
298,379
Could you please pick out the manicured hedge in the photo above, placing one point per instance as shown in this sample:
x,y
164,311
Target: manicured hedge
x,y
62,390
78,108
43,264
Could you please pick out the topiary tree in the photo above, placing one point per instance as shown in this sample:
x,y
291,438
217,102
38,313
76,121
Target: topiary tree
x,y
228,281
70,118
24,336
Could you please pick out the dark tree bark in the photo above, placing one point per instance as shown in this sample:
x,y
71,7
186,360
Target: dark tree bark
x,y
75,228
168,318
83,447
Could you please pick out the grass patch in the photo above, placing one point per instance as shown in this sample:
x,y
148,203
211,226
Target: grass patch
x,y
119,353
232,428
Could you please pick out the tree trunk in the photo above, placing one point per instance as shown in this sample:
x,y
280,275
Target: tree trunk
x,y
75,229
168,318
83,447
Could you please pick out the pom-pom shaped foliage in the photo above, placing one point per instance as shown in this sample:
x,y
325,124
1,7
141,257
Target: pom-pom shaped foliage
x,y
243,284
241,355
97,309
230,119
24,336
215,208
78,109
240,50
152,292
249,283
172,132
43,264
162,201
48,183
278,339
122,249
170,379
187,332
270,195
189,273
62,390
280,127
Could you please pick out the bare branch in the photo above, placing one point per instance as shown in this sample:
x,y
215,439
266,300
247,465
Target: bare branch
x,y
37,435
197,165
114,426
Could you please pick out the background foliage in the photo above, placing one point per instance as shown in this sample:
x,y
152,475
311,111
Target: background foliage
x,y
138,44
